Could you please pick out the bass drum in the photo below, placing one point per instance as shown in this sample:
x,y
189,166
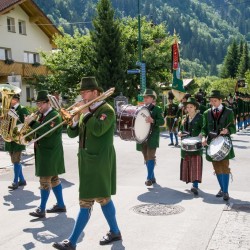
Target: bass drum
x,y
132,125
219,148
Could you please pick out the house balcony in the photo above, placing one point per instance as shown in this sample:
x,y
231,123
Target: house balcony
x,y
26,70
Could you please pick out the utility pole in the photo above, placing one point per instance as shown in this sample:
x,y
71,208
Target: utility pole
x,y
140,63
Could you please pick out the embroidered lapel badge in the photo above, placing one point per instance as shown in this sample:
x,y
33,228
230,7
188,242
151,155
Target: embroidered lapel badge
x,y
103,117
52,124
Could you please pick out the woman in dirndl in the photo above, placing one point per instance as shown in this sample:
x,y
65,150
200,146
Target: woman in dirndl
x,y
191,155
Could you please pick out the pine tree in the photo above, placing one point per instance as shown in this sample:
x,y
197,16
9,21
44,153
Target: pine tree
x,y
109,53
230,63
244,61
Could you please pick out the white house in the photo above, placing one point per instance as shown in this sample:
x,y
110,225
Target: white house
x,y
24,31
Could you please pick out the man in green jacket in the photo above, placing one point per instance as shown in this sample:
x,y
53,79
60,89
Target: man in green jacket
x,y
219,120
49,160
149,147
14,149
97,163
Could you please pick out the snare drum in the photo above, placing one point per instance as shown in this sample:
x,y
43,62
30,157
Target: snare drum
x,y
191,144
219,148
132,125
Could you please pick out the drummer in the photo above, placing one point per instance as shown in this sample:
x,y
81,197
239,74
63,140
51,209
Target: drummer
x,y
219,120
149,147
191,159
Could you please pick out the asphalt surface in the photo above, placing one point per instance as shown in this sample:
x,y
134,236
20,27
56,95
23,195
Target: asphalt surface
x,y
165,216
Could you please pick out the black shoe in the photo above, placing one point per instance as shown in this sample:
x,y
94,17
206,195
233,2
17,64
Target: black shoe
x,y
110,237
226,196
194,190
64,245
22,183
56,209
153,180
219,194
176,144
148,183
171,144
38,213
13,186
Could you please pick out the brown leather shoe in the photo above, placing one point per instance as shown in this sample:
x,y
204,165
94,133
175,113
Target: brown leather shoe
x,y
226,196
38,213
22,183
56,209
13,186
110,237
219,194
64,245
148,183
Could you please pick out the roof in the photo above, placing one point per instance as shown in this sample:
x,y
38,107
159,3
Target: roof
x,y
36,15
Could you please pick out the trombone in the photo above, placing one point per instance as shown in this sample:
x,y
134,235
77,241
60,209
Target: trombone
x,y
67,115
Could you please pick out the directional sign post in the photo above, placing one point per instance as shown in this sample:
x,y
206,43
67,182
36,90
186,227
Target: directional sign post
x,y
133,71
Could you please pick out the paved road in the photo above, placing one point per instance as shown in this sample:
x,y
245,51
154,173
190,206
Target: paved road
x,y
204,222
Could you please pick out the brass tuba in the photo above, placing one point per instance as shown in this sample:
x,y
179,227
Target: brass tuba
x,y
8,117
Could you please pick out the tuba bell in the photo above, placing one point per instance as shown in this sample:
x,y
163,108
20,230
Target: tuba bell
x,y
8,117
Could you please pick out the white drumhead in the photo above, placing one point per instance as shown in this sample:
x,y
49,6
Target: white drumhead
x,y
191,140
142,128
216,144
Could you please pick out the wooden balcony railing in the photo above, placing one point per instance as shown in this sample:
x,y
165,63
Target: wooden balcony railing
x,y
23,69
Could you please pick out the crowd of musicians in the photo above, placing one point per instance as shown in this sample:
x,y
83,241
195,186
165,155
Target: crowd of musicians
x,y
198,116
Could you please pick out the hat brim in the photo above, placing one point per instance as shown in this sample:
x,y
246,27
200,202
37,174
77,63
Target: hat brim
x,y
193,103
216,96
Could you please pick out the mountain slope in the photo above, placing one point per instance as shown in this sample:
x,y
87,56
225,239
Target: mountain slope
x,y
206,27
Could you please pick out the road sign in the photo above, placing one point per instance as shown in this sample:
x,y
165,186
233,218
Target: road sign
x,y
133,71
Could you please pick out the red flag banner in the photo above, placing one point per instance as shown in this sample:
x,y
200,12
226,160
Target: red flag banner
x,y
175,55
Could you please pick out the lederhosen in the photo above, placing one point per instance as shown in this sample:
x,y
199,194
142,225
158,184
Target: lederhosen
x,y
191,161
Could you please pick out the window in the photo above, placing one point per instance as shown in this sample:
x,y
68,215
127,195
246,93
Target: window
x,y
11,24
22,27
30,57
5,54
29,94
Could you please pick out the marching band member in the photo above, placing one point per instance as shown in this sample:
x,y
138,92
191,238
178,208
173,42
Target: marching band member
x,y
170,113
49,160
14,149
219,120
97,163
191,161
149,147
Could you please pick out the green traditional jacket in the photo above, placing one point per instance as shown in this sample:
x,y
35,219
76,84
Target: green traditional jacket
x,y
170,113
210,124
13,146
49,158
96,154
240,107
194,128
154,137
